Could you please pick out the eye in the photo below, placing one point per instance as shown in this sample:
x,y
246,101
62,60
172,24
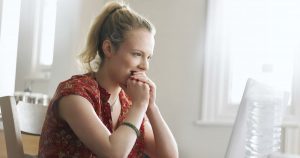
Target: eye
x,y
136,54
149,57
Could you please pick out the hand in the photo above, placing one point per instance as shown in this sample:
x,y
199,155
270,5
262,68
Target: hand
x,y
141,76
138,91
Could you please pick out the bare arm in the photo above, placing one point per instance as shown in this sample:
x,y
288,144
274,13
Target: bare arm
x,y
159,140
80,115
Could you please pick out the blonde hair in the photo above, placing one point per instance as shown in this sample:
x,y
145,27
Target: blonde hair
x,y
114,21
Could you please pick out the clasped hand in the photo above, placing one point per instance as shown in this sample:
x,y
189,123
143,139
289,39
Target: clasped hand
x,y
141,89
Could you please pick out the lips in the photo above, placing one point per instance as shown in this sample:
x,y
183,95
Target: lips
x,y
132,72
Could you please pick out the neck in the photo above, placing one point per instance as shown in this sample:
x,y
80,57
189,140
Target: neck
x,y
104,80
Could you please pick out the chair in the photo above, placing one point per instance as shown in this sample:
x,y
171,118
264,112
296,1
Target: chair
x,y
24,117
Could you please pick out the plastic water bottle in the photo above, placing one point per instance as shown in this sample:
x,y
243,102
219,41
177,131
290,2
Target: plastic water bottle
x,y
265,113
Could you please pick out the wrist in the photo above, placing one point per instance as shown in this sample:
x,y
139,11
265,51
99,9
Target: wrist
x,y
152,108
139,106
140,102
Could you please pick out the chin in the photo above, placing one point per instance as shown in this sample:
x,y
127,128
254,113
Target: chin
x,y
123,85
122,79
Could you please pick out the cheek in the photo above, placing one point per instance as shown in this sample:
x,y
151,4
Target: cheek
x,y
122,68
127,62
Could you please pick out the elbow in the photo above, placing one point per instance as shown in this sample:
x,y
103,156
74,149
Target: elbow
x,y
167,155
170,154
118,155
115,149
173,155
176,155
113,155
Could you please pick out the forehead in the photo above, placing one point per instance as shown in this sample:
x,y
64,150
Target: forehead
x,y
139,39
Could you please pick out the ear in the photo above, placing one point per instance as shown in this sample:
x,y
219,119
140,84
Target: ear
x,y
107,48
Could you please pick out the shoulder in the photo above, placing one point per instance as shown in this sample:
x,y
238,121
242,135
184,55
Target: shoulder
x,y
83,81
82,85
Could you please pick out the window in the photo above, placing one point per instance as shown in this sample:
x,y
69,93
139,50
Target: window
x,y
267,46
47,32
9,31
45,21
258,39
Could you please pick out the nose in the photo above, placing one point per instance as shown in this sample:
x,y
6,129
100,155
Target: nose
x,y
144,65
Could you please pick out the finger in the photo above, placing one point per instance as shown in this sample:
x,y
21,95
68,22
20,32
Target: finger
x,y
145,80
135,81
137,72
129,82
140,78
146,86
143,77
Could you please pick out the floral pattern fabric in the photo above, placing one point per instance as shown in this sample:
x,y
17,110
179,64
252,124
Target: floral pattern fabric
x,y
58,139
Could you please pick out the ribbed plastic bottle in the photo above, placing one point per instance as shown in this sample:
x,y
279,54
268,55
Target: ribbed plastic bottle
x,y
264,121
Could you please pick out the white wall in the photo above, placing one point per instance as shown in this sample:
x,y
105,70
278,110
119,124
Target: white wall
x,y
66,39
25,45
176,66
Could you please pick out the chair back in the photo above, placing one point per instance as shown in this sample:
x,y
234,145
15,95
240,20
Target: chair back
x,y
31,117
25,117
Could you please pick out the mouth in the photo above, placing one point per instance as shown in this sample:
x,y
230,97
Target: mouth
x,y
132,72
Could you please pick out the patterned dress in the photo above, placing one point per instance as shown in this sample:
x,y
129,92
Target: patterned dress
x,y
59,141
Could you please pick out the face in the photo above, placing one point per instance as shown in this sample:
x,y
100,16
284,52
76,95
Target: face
x,y
134,54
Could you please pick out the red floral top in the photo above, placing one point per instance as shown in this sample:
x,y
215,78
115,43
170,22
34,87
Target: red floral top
x,y
58,139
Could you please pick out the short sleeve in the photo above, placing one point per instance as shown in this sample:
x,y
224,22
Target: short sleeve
x,y
83,87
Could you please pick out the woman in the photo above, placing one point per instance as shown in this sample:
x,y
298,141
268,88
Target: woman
x,y
111,111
